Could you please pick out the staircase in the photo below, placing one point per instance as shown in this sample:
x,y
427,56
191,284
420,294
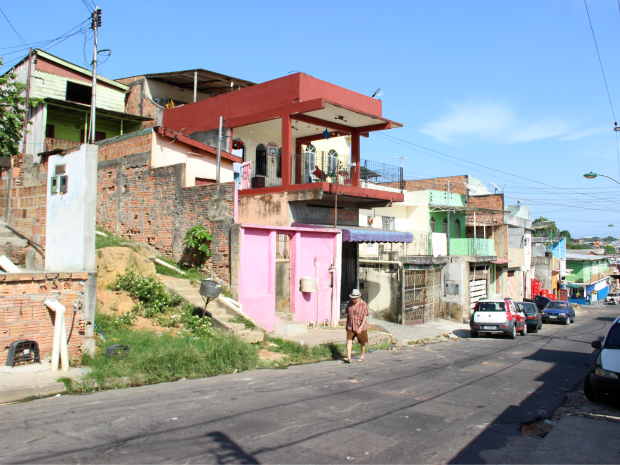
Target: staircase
x,y
220,309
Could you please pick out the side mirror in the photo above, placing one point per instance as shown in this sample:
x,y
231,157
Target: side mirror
x,y
596,344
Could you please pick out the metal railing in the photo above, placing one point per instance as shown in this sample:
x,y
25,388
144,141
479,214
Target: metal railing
x,y
314,167
471,246
51,144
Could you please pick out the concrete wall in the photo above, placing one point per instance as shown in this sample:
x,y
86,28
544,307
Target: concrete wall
x,y
456,306
543,267
23,315
154,206
71,216
313,252
382,288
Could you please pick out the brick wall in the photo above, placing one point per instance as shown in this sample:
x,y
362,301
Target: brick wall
x,y
439,184
136,101
28,204
154,206
23,315
127,144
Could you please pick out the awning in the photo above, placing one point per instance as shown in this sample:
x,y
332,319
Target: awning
x,y
501,261
575,285
364,234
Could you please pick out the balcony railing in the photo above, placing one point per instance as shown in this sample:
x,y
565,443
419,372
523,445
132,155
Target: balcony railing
x,y
471,246
421,245
51,144
313,167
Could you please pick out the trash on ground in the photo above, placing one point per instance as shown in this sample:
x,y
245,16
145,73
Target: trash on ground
x,y
174,419
350,458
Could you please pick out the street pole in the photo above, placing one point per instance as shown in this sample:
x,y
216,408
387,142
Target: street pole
x,y
219,151
448,231
27,112
96,22
402,171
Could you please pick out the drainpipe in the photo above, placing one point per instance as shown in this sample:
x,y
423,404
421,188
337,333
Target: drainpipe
x,y
59,348
332,271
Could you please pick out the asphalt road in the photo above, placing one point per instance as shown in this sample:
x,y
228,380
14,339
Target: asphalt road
x,y
446,402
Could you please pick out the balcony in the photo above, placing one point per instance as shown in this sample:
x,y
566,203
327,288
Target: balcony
x,y
51,144
471,246
440,198
317,167
421,245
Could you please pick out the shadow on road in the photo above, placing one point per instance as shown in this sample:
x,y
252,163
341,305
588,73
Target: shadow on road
x,y
227,450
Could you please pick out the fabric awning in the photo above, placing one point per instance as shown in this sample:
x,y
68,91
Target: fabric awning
x,y
364,234
575,285
501,261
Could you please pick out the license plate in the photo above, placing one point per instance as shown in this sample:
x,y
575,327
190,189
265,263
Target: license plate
x,y
552,317
488,327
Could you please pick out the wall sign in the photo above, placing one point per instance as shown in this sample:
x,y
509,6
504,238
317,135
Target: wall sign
x,y
272,149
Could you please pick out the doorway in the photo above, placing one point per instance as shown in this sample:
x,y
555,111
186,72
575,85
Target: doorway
x,y
283,274
349,276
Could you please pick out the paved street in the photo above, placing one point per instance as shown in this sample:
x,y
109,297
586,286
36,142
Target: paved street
x,y
447,402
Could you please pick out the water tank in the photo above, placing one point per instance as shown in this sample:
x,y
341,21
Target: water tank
x,y
307,285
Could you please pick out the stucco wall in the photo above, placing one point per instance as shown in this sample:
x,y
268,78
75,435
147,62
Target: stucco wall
x,y
382,288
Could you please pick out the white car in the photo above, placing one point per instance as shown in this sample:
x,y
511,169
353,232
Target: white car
x,y
603,383
612,298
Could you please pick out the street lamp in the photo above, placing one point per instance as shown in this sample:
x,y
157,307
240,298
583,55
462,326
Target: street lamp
x,y
592,175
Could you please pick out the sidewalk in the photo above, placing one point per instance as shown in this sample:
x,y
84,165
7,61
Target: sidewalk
x,y
429,330
33,380
315,337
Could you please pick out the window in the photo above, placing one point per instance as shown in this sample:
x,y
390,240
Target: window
x,y
49,131
78,93
389,223
279,163
332,163
433,225
98,136
457,228
445,226
261,160
310,164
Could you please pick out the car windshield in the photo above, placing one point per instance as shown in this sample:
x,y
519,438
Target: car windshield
x,y
613,338
557,306
528,308
491,306
612,295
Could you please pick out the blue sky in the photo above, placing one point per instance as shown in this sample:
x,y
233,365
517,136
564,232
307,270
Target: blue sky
x,y
511,86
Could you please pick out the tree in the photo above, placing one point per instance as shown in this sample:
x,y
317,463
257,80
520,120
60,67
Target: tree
x,y
610,238
12,109
567,235
545,228
610,250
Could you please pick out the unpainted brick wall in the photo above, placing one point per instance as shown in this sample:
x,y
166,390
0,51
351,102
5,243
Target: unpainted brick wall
x,y
137,95
439,184
28,204
126,145
24,316
154,206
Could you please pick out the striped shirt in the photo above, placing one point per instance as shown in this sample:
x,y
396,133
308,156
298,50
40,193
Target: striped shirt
x,y
356,314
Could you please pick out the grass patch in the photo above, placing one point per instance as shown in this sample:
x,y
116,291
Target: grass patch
x,y
241,319
157,359
110,241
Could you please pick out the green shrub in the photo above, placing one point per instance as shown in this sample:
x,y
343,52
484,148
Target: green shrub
x,y
197,244
151,293
192,317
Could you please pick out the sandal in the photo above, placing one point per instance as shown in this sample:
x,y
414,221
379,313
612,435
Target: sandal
x,y
360,360
346,360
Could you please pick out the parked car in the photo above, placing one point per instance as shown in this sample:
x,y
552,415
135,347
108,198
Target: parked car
x,y
562,312
533,318
497,316
611,299
541,301
603,383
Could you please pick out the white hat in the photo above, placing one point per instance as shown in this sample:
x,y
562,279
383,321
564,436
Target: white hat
x,y
355,294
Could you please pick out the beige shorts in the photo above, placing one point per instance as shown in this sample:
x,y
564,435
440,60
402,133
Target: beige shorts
x,y
362,336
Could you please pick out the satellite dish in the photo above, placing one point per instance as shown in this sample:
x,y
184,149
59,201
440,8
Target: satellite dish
x,y
496,188
377,93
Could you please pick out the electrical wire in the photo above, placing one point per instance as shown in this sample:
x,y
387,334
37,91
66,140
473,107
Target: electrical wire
x,y
13,27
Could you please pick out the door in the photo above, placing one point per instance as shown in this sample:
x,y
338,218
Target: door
x,y
349,274
283,273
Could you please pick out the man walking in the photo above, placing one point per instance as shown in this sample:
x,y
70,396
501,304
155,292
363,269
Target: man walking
x,y
357,314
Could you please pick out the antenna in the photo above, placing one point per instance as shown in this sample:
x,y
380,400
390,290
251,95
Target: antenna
x,y
377,93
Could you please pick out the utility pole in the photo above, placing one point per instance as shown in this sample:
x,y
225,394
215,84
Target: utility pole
x,y
95,24
27,113
219,151
448,231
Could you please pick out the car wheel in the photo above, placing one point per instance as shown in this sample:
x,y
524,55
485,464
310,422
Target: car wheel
x,y
524,330
567,321
513,333
540,325
587,389
572,321
535,330
474,334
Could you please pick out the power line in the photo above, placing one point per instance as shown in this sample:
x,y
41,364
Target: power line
x,y
12,27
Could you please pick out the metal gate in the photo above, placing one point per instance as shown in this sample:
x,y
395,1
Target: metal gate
x,y
422,296
477,285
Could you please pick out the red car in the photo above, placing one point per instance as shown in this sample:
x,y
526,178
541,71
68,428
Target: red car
x,y
497,316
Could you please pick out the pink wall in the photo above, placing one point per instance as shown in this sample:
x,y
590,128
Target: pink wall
x,y
257,273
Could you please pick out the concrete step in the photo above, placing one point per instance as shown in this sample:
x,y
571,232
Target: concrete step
x,y
284,316
251,336
235,326
290,328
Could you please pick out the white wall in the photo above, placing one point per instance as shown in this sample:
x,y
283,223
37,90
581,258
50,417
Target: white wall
x,y
70,233
165,153
154,89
